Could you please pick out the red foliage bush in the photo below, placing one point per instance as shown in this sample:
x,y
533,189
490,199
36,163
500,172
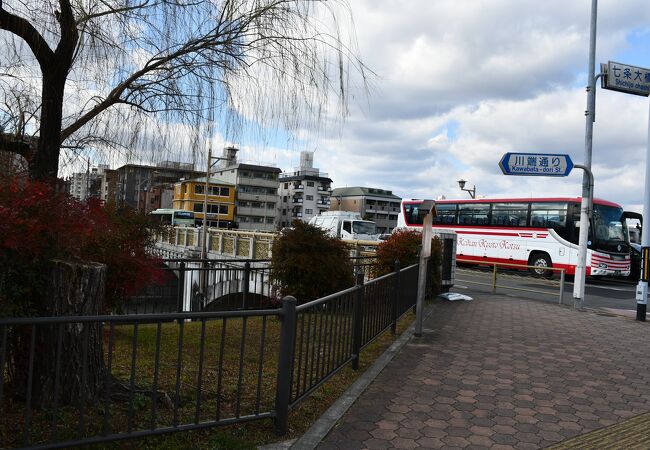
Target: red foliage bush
x,y
39,224
402,246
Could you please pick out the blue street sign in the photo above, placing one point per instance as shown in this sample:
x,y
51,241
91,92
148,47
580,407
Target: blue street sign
x,y
536,164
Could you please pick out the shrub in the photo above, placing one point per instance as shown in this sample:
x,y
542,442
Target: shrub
x,y
40,224
404,246
309,264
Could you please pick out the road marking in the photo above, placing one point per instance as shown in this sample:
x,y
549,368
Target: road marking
x,y
607,288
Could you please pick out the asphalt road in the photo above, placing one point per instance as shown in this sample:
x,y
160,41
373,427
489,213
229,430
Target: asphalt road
x,y
601,293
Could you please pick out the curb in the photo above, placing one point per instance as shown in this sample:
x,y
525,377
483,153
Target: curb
x,y
329,419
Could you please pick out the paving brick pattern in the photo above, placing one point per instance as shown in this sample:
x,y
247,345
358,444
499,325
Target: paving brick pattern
x,y
501,372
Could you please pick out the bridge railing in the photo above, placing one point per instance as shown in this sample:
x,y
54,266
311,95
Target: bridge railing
x,y
233,243
238,244
193,285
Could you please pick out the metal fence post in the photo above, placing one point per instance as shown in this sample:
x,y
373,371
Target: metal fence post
x,y
357,320
494,280
285,363
561,286
396,295
181,287
246,284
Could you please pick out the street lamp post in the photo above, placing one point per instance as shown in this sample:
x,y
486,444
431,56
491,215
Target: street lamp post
x,y
471,192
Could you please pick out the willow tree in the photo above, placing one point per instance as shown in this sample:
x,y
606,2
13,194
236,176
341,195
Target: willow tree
x,y
80,73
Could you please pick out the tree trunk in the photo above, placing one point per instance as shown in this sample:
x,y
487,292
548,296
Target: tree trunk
x,y
45,165
75,289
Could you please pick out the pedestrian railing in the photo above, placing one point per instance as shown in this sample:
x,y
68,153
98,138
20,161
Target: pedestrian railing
x,y
68,381
551,277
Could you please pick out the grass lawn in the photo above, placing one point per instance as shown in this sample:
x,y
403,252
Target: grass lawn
x,y
198,392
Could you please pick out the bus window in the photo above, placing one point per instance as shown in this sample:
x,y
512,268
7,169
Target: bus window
x,y
509,214
473,214
445,214
548,215
412,214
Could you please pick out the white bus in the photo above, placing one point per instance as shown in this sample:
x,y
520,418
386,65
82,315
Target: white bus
x,y
541,232
173,217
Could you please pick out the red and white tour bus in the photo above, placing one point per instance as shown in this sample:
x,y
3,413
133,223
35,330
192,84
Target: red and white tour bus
x,y
541,232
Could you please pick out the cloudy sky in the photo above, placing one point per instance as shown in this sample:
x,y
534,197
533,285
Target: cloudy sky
x,y
459,83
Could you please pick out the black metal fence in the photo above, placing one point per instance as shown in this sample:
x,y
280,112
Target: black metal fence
x,y
68,381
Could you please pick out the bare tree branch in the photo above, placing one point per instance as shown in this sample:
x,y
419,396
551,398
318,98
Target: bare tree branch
x,y
124,72
23,29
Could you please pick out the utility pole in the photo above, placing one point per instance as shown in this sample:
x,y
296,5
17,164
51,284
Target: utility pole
x,y
206,186
581,267
642,287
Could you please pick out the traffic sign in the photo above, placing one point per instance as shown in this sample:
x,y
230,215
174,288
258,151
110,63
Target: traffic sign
x,y
624,78
536,164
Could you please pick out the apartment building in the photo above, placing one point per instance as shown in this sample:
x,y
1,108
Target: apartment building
x,y
135,182
304,193
257,201
378,205
189,195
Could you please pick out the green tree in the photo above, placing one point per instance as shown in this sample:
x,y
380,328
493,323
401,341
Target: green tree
x,y
308,263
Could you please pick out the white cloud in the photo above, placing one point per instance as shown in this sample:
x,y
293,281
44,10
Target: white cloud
x,y
507,76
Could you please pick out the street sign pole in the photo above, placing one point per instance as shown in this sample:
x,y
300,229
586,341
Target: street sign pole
x,y
581,267
428,207
642,287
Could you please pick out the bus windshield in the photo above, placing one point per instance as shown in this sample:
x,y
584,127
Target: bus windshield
x,y
610,229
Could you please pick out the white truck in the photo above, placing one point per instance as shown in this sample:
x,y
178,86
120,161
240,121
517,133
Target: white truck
x,y
346,225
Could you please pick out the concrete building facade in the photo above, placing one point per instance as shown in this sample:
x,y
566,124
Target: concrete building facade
x,y
304,193
83,185
135,182
379,205
257,201
190,196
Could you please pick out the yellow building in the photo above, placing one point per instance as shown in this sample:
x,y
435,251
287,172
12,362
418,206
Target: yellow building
x,y
189,196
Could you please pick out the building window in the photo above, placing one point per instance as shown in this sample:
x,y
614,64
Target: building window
x,y
198,207
309,211
286,185
310,183
284,199
198,189
309,197
284,212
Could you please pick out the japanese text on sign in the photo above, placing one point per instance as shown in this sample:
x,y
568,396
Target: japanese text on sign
x,y
624,78
536,164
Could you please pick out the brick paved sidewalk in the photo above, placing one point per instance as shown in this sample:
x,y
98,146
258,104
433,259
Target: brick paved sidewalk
x,y
501,372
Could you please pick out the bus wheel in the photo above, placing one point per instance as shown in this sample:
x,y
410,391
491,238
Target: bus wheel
x,y
541,261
